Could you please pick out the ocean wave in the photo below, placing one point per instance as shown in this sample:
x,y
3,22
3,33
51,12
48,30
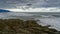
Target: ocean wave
x,y
58,15
14,14
54,22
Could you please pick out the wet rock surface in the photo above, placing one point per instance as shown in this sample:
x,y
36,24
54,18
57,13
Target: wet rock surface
x,y
18,26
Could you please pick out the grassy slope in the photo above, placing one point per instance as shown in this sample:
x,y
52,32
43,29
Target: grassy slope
x,y
17,26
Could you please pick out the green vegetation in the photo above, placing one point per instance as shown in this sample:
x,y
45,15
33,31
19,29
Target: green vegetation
x,y
17,26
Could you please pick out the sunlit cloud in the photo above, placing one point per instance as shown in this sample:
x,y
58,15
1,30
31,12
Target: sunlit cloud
x,y
36,10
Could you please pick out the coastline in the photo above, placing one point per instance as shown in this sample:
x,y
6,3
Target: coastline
x,y
24,27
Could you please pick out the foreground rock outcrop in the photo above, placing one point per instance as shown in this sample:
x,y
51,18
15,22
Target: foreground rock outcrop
x,y
17,26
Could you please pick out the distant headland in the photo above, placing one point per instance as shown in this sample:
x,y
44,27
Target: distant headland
x,y
2,10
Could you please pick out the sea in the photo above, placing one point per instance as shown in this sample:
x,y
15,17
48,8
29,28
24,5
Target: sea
x,y
43,18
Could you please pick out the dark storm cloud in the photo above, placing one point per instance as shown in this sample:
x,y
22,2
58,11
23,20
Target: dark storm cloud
x,y
53,3
13,3
30,3
48,3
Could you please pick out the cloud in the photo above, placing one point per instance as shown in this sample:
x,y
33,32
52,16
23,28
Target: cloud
x,y
36,10
29,5
34,3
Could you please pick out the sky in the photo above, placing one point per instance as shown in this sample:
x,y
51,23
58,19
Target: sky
x,y
31,5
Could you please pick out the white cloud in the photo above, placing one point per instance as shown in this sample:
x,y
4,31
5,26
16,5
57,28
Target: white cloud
x,y
36,10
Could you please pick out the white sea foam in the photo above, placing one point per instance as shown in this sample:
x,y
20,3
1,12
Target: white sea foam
x,y
54,22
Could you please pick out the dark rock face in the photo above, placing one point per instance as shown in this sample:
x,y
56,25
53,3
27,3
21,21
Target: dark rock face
x,y
1,10
17,26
